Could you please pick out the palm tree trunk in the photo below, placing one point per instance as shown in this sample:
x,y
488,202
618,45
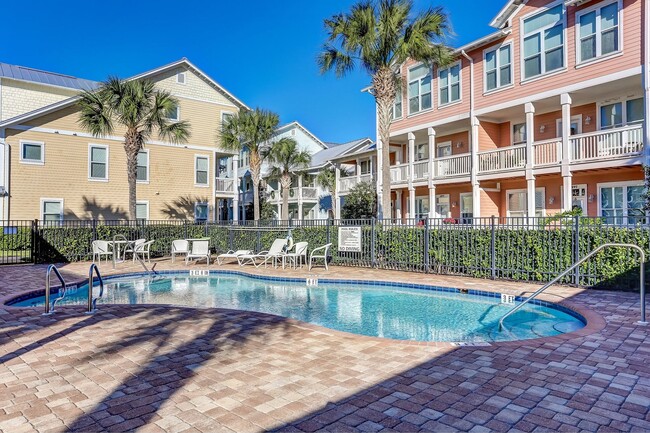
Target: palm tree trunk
x,y
255,165
384,87
286,188
132,148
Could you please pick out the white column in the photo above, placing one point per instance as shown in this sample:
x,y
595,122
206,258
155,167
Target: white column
x,y
300,197
335,196
530,178
432,173
432,202
411,173
235,175
382,213
4,176
567,184
358,170
398,205
476,193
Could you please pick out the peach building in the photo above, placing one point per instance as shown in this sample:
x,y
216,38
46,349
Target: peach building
x,y
544,115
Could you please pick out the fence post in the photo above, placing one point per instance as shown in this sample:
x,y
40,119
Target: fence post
x,y
493,250
34,242
427,265
327,235
576,248
94,230
185,229
259,240
205,229
373,243
230,237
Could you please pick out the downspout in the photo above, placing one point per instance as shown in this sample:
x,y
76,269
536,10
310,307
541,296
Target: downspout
x,y
646,83
473,138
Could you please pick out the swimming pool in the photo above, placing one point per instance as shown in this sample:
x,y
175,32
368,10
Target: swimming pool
x,y
390,310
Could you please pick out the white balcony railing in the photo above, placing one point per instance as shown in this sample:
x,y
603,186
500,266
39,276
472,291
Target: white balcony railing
x,y
548,152
399,173
225,185
421,169
347,183
606,144
456,165
309,193
506,158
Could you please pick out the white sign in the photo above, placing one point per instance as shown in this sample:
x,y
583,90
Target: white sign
x,y
350,239
199,272
507,299
312,281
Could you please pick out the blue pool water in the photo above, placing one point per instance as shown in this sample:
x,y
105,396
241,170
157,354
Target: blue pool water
x,y
404,312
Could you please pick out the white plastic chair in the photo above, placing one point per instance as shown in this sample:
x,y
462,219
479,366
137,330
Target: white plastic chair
x,y
180,246
143,251
325,249
297,256
101,248
276,251
131,246
200,250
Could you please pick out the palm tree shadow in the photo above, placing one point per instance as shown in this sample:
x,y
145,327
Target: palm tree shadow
x,y
182,208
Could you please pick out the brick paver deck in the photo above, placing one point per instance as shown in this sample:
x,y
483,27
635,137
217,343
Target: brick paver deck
x,y
159,368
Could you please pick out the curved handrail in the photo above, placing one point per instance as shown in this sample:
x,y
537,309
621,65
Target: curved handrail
x,y
92,303
115,238
50,269
578,263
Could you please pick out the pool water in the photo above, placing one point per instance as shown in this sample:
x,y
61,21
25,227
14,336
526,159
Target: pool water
x,y
402,312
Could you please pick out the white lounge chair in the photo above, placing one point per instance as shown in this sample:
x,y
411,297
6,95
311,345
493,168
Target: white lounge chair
x,y
200,250
231,254
325,249
142,251
276,251
101,248
299,256
180,246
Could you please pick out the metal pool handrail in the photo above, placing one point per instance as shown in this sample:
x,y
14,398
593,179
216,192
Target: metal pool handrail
x,y
578,263
51,269
92,303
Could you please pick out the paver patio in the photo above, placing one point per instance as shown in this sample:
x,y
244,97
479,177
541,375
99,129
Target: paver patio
x,y
163,368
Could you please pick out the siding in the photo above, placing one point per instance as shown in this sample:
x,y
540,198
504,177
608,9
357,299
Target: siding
x,y
19,97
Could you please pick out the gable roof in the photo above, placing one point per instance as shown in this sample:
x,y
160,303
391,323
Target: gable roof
x,y
23,73
506,13
335,151
70,101
295,123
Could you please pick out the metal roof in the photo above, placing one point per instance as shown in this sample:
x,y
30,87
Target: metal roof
x,y
43,77
335,150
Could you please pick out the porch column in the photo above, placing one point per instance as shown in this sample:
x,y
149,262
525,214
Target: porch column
x,y
432,202
235,176
476,192
357,170
432,187
380,166
567,181
300,197
530,178
411,174
398,205
280,207
335,194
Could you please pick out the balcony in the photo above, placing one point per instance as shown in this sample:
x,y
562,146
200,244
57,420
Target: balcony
x,y
347,183
399,174
309,194
453,166
505,158
224,186
608,144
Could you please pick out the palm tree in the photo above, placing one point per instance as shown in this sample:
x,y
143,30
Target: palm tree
x,y
326,178
250,130
286,158
141,109
379,36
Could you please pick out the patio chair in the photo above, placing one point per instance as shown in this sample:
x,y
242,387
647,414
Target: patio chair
x,y
325,249
131,246
276,251
101,248
231,254
142,251
200,250
180,246
298,256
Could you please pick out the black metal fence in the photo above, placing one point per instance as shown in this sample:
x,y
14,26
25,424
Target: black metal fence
x,y
523,249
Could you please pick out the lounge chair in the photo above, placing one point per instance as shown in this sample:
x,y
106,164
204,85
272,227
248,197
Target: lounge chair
x,y
101,248
180,246
298,256
325,249
231,254
142,251
263,257
200,250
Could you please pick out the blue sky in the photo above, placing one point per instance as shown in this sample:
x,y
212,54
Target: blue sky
x,y
262,51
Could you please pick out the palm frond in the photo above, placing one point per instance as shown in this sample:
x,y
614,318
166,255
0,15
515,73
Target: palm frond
x,y
95,115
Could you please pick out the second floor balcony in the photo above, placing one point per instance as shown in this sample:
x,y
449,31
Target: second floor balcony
x,y
306,194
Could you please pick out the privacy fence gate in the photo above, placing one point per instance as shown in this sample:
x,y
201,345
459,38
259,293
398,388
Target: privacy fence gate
x,y
517,248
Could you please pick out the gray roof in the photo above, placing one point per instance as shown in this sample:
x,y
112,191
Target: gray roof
x,y
336,149
50,78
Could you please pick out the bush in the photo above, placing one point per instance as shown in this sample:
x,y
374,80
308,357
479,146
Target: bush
x,y
360,203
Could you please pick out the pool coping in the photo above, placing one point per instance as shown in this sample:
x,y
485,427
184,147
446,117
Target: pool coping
x,y
594,322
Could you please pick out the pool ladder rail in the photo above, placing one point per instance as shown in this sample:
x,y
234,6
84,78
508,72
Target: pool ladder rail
x,y
92,302
578,263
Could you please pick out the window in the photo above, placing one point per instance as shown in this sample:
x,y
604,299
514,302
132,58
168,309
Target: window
x,y
422,152
544,42
449,84
421,207
174,113
498,68
200,212
225,115
244,159
444,149
598,32
52,209
32,152
180,78
619,113
419,88
142,210
201,170
466,208
142,173
397,106
442,206
97,162
365,166
518,133
622,203
518,202
575,128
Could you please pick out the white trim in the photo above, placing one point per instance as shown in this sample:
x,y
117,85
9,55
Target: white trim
x,y
408,83
97,179
620,100
229,113
585,197
196,158
597,7
184,75
497,48
440,144
435,206
449,102
146,181
558,123
512,132
48,199
142,202
32,161
525,190
432,124
207,101
624,184
178,114
460,203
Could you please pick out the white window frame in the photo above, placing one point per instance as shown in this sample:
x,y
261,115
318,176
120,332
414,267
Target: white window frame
x,y
558,125
512,133
444,144
90,177
408,84
597,8
178,114
196,158
202,203
419,200
623,184
435,208
142,202
398,97
46,199
460,85
582,197
32,161
623,102
184,75
361,161
520,190
145,181
460,204
226,113
496,48
522,37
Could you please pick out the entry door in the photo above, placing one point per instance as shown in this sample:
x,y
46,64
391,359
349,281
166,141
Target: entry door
x,y
576,125
466,211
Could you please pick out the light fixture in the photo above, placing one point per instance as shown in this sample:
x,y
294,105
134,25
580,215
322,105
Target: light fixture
x,y
542,128
459,145
587,120
591,198
551,200
454,204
